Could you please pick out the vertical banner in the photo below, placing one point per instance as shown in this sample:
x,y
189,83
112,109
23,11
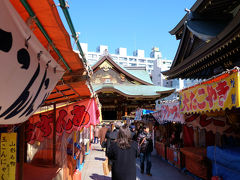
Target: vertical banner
x,y
8,156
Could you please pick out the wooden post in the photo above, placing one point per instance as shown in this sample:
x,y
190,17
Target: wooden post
x,y
21,151
54,134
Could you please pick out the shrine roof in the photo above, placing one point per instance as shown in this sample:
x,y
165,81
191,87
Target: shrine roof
x,y
141,75
150,91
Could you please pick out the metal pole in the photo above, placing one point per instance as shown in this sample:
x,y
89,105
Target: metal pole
x,y
21,151
54,134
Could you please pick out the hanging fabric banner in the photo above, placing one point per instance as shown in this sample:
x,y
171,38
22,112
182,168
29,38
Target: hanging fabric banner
x,y
169,112
138,115
218,93
68,118
8,155
28,73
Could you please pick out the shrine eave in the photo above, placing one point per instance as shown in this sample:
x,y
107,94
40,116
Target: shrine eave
x,y
213,54
136,91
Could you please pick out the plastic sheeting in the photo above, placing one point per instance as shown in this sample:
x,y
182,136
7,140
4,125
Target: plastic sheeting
x,y
225,162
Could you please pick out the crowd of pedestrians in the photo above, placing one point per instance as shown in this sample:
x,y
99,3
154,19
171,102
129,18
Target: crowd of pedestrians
x,y
124,143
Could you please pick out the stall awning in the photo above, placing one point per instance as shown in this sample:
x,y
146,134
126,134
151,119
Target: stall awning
x,y
43,19
218,93
169,112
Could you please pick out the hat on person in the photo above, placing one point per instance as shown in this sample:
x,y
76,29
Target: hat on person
x,y
117,124
132,127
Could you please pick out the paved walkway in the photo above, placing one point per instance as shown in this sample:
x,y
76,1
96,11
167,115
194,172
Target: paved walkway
x,y
161,170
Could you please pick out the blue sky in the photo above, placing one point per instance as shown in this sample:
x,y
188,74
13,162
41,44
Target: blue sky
x,y
133,24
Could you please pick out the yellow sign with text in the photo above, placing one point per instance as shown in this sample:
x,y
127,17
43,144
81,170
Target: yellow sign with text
x,y
8,156
218,93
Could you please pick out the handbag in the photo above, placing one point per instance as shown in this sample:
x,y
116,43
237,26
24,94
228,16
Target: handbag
x,y
104,144
106,167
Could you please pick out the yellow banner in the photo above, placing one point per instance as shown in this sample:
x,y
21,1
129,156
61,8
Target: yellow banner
x,y
219,93
8,156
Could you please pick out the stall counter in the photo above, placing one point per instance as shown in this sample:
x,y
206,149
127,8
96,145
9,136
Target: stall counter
x,y
196,161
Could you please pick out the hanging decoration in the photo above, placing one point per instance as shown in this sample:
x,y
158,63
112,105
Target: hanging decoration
x,y
28,72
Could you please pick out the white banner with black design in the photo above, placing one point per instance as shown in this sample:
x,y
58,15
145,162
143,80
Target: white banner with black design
x,y
28,73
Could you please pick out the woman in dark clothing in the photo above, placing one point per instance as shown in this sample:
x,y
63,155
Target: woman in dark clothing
x,y
123,153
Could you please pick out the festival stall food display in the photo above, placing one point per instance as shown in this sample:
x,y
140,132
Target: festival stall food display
x,y
211,111
168,133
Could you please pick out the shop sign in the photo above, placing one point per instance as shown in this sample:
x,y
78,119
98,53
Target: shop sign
x,y
68,118
8,156
218,93
28,73
169,112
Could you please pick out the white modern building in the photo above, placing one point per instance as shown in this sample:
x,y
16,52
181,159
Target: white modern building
x,y
120,56
154,64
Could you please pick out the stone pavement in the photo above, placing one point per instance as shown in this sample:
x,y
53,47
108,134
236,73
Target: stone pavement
x,y
161,170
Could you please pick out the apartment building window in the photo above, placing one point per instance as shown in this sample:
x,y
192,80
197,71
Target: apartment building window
x,y
123,59
142,65
142,60
115,57
150,66
150,61
132,59
94,56
132,64
123,63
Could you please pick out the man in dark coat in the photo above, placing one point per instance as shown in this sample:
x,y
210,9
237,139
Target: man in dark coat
x,y
146,147
112,136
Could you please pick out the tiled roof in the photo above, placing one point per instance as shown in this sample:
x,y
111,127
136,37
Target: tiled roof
x,y
135,90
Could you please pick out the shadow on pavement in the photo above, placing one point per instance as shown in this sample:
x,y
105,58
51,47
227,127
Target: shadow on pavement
x,y
100,159
99,177
97,150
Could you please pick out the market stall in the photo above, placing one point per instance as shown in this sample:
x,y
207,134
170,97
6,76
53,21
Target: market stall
x,y
73,126
211,116
168,132
41,70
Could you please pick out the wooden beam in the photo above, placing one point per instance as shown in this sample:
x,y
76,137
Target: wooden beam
x,y
77,73
73,80
62,101
64,96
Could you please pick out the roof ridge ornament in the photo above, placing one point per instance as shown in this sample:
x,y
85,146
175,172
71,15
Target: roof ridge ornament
x,y
105,52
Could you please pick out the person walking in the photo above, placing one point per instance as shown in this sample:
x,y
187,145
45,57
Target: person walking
x,y
146,147
96,135
123,153
102,133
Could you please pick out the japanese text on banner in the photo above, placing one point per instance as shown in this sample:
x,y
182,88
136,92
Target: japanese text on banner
x,y
216,94
8,156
